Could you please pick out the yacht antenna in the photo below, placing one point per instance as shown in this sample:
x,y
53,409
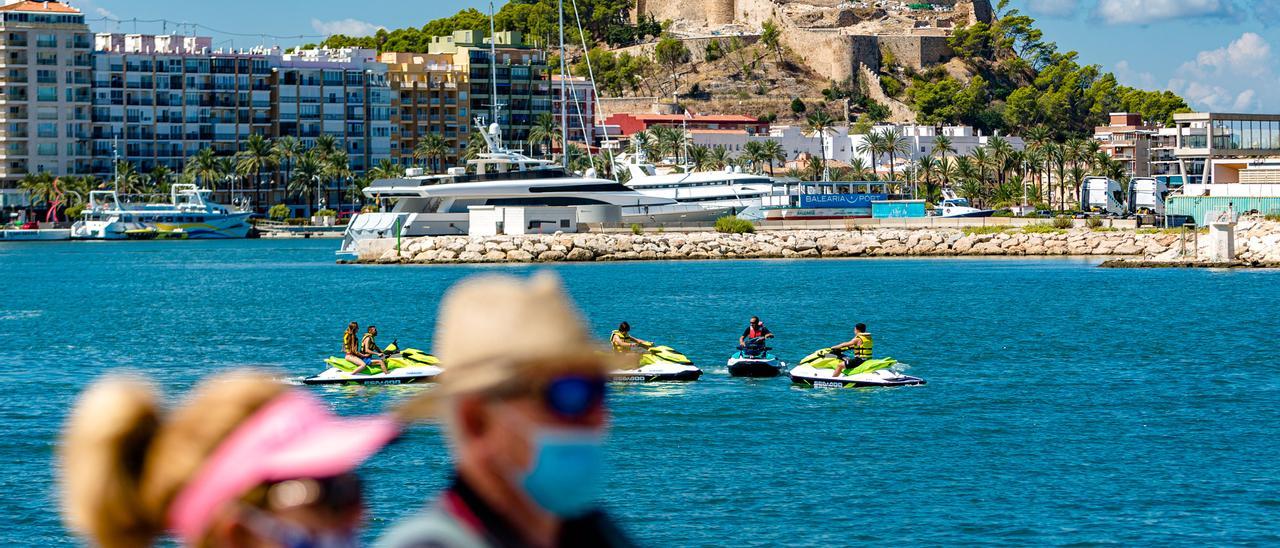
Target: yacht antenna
x,y
493,66
564,100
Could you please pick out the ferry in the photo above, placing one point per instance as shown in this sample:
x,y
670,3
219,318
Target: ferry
x,y
714,193
823,200
187,215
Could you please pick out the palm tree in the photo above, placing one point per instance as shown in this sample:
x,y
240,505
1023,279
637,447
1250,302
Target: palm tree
x,y
929,168
754,155
545,129
39,188
894,145
942,147
432,148
227,168
858,170
258,154
820,123
326,146
161,178
720,158
1001,151
204,168
872,144
128,180
774,152
287,149
386,169
337,166
700,157
475,147
307,175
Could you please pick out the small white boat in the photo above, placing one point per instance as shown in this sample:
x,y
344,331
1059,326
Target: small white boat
x,y
953,207
35,234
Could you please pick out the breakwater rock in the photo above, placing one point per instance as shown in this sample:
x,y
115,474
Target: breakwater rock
x,y
1257,245
772,244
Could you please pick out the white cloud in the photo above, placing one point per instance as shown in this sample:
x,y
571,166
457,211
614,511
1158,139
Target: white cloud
x,y
1053,8
1237,77
94,8
349,27
1141,12
1132,77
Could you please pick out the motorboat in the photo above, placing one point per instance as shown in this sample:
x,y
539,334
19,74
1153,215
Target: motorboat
x,y
753,359
188,214
659,364
407,366
818,370
953,206
438,205
705,195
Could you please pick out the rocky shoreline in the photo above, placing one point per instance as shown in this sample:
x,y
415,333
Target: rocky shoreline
x,y
785,244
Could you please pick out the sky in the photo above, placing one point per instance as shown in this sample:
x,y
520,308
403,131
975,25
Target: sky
x,y
1217,54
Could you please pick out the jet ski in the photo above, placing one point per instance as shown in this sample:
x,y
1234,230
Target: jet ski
x,y
818,369
659,364
754,360
406,366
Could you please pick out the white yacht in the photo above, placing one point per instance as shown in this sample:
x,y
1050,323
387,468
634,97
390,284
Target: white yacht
x,y
436,205
187,214
716,193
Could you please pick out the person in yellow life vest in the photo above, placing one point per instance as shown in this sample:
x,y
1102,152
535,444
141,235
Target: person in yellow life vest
x,y
622,340
861,344
351,349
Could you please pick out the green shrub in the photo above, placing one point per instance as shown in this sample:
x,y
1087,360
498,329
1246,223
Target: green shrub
x,y
637,229
1002,213
369,209
1042,228
295,221
892,87
278,212
797,106
72,213
1273,217
983,229
1062,222
326,213
1093,222
730,224
1043,206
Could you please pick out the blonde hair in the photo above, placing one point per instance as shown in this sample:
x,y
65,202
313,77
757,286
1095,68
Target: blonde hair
x,y
124,459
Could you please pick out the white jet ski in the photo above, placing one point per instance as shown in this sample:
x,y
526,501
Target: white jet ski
x,y
817,370
659,364
754,360
406,366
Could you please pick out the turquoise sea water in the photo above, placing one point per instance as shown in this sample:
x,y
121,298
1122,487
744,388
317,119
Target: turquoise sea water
x,y
1066,404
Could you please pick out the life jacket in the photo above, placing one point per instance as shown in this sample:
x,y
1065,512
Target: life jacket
x,y
366,342
349,343
863,350
754,333
623,336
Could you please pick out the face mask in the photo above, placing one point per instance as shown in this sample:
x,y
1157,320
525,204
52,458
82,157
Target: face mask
x,y
567,471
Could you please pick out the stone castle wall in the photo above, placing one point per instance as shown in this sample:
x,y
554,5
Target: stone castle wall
x,y
916,51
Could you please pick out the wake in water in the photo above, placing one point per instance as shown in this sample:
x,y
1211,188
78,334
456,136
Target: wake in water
x,y
7,315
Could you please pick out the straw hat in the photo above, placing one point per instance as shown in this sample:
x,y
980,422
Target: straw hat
x,y
495,330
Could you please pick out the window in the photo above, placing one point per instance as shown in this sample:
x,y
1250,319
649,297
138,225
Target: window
x,y
47,149
47,40
46,58
47,93
47,130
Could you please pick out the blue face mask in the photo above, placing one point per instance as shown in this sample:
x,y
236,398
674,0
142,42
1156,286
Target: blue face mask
x,y
568,468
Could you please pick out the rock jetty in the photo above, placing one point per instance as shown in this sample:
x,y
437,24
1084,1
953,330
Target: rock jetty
x,y
1257,246
786,244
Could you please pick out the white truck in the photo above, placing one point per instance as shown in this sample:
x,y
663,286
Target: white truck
x,y
1147,195
1102,195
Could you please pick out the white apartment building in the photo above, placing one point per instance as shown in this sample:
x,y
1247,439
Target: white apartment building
x,y
160,99
44,106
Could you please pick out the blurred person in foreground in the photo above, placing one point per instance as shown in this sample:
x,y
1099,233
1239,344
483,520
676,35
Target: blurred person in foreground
x,y
523,407
245,461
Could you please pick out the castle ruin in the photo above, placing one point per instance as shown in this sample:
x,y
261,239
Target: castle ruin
x,y
832,37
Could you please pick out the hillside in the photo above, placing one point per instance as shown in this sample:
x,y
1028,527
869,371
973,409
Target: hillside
x,y
937,62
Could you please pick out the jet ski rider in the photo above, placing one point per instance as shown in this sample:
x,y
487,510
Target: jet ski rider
x,y
370,348
622,340
352,350
861,343
755,330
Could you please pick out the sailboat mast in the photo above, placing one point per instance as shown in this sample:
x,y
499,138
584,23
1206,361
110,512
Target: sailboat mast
x,y
564,99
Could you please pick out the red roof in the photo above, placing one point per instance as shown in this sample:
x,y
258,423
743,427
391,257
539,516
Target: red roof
x,y
42,7
712,118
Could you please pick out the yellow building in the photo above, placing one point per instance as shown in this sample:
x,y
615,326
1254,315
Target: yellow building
x,y
430,95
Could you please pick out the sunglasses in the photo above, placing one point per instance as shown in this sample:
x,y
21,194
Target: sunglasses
x,y
573,397
335,493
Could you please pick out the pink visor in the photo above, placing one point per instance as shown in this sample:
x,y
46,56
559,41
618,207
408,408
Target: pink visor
x,y
293,436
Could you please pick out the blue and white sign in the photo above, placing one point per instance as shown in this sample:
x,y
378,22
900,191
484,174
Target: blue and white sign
x,y
840,200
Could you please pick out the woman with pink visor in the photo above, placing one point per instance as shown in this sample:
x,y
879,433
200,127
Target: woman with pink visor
x,y
245,461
